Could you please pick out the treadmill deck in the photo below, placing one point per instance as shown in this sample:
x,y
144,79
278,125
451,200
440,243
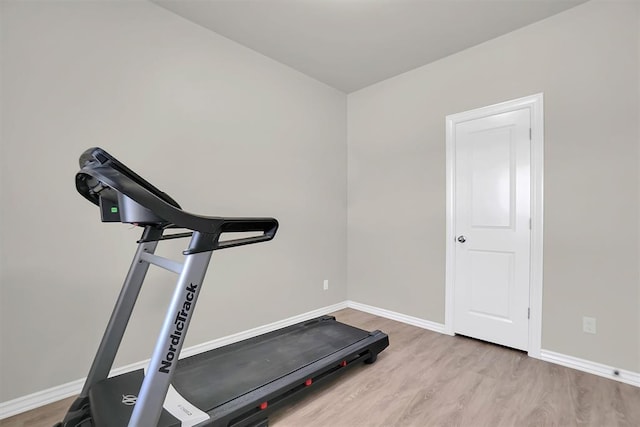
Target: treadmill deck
x,y
230,382
204,379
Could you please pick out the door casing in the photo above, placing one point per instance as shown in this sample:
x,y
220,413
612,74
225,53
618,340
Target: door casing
x,y
535,105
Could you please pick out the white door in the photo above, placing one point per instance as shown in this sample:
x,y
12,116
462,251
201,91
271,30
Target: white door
x,y
492,228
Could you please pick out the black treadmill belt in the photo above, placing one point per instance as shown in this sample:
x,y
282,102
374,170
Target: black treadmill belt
x,y
211,379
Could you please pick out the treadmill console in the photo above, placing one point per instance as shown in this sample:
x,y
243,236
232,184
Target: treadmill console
x,y
124,196
92,182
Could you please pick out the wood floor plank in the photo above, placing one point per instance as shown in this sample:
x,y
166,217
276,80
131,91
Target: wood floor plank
x,y
45,416
429,379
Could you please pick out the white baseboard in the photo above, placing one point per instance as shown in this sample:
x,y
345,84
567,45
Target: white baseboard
x,y
230,339
627,377
40,398
388,314
35,400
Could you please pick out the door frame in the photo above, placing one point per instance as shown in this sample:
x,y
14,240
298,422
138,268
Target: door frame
x,y
535,105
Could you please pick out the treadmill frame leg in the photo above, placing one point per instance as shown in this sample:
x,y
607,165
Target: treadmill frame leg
x,y
121,314
162,366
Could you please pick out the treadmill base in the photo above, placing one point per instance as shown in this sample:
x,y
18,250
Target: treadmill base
x,y
242,383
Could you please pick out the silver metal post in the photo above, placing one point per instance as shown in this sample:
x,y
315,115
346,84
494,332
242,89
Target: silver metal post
x,y
162,366
114,332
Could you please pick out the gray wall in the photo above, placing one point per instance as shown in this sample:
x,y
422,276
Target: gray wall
x,y
585,60
230,132
225,130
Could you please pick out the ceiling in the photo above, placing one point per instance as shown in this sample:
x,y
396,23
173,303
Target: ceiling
x,y
350,44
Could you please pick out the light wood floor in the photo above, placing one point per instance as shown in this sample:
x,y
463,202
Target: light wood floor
x,y
429,379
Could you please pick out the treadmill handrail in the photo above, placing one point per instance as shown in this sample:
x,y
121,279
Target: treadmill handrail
x,y
114,175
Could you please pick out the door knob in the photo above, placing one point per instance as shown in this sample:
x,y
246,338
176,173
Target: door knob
x,y
462,239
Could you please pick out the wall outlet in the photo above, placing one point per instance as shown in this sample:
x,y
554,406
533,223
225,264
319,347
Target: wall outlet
x,y
589,325
325,285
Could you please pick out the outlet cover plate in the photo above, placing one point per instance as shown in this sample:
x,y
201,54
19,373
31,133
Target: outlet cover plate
x,y
589,325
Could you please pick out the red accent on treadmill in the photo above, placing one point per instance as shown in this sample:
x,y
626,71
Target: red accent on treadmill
x,y
343,363
308,382
263,406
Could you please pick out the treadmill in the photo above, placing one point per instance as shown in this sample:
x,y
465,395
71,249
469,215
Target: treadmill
x,y
236,385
